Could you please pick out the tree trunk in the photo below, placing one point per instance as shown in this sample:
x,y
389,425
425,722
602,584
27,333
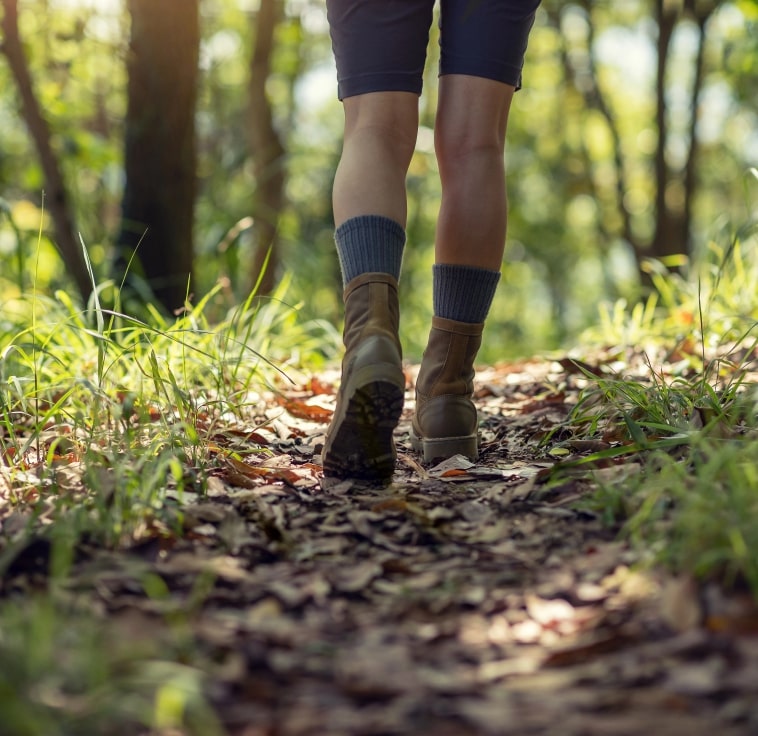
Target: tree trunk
x,y
701,15
669,226
160,146
672,215
595,99
56,199
267,152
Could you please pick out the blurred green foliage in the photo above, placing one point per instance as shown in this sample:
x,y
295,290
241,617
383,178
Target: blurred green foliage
x,y
565,254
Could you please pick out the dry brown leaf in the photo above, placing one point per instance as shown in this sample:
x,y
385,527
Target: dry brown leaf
x,y
355,578
303,410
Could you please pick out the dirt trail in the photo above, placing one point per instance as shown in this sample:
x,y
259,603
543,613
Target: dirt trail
x,y
457,601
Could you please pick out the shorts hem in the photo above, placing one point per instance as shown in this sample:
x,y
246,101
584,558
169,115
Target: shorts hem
x,y
499,73
365,83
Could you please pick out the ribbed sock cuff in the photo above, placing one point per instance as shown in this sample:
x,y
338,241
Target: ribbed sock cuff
x,y
369,244
463,293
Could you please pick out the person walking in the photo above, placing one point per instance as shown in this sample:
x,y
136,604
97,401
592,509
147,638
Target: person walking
x,y
380,52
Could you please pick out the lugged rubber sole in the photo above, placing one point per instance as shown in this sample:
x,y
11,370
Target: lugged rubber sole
x,y
362,446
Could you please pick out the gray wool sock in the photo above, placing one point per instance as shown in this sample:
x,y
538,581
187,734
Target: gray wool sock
x,y
369,244
463,293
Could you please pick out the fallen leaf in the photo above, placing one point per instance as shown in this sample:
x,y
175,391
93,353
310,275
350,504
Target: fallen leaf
x,y
549,613
454,463
355,578
303,410
681,607
572,366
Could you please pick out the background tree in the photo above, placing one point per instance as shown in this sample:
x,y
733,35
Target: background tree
x,y
57,197
267,151
675,184
602,80
160,146
629,141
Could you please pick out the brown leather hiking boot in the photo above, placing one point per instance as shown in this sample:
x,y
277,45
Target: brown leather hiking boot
x,y
445,422
359,441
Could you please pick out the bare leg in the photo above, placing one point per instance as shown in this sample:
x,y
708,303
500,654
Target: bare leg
x,y
370,211
380,136
469,141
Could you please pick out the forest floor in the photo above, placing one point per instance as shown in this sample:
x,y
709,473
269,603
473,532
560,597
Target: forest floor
x,y
461,600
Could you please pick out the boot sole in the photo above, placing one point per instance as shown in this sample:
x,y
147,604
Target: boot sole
x,y
441,448
363,447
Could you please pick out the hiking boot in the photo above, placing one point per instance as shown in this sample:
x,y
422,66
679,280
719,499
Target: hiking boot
x,y
445,422
359,441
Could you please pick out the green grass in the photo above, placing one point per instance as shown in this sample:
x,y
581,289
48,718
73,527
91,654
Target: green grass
x,y
680,473
104,420
92,385
66,671
131,404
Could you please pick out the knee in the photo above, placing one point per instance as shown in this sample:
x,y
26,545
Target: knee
x,y
457,144
390,122
397,141
471,120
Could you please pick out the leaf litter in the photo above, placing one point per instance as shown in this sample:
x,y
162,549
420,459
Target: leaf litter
x,y
463,599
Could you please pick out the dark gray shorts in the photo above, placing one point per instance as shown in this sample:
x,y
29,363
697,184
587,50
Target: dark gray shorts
x,y
380,45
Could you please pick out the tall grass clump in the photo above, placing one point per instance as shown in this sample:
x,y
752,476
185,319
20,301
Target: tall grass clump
x,y
106,422
681,401
102,412
702,304
63,671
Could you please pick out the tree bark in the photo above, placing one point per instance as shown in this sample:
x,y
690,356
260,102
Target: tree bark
x,y
267,152
160,146
667,238
56,199
701,14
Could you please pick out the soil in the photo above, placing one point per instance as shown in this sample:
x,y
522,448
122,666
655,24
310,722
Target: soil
x,y
462,599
